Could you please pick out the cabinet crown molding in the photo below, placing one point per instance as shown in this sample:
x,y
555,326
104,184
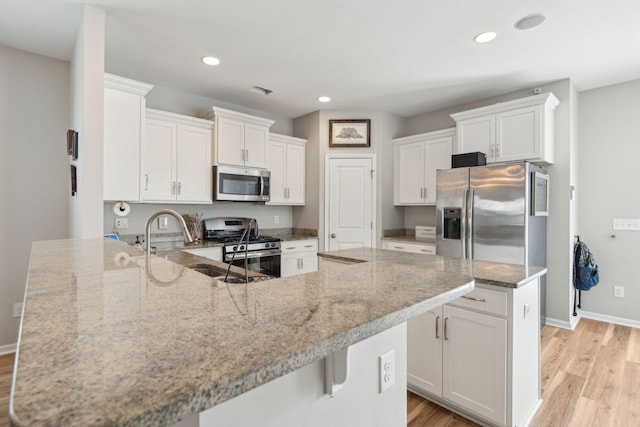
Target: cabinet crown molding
x,y
179,118
426,136
275,137
548,99
214,112
112,81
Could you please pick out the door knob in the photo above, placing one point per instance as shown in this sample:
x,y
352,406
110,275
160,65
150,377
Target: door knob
x,y
333,235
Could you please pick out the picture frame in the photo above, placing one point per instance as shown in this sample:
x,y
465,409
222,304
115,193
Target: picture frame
x,y
350,133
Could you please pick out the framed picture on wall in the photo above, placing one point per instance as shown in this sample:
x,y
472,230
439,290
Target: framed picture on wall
x,y
350,133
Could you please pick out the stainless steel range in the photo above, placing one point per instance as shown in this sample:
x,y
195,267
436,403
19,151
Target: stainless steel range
x,y
242,241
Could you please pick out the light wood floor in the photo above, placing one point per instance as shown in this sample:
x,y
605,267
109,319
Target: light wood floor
x,y
590,377
6,371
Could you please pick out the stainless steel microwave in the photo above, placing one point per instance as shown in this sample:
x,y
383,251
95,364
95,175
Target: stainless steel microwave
x,y
241,184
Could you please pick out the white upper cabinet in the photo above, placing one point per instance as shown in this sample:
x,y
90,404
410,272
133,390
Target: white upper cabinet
x,y
240,139
416,159
509,131
287,166
124,113
176,159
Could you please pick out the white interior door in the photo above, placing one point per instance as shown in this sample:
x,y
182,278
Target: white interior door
x,y
350,203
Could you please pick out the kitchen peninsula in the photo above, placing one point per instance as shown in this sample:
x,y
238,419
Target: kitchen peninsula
x,y
111,336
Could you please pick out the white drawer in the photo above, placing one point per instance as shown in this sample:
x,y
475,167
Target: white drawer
x,y
293,246
416,248
482,299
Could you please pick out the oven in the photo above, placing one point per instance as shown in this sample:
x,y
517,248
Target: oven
x,y
242,242
264,261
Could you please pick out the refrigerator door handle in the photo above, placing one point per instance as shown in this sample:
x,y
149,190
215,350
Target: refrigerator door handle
x,y
463,223
469,227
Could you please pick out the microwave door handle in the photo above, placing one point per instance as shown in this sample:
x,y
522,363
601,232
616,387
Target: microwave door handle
x,y
262,185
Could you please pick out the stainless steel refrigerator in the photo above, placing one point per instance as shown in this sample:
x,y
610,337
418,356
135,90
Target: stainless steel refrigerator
x,y
494,213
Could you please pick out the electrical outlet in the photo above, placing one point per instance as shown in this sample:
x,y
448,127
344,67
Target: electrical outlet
x,y
17,309
163,222
618,291
387,366
122,222
276,219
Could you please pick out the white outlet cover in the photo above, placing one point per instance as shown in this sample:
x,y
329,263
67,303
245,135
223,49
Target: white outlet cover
x,y
387,368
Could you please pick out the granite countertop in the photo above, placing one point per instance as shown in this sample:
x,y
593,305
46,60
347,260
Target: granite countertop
x,y
113,336
492,273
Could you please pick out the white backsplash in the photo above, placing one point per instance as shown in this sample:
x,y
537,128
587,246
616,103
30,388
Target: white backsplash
x,y
141,211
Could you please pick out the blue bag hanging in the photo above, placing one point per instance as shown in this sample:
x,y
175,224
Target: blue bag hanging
x,y
585,272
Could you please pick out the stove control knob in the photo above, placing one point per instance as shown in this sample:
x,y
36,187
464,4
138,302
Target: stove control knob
x,y
235,248
242,247
266,245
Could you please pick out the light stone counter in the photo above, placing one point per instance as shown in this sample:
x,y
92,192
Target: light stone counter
x,y
110,336
492,273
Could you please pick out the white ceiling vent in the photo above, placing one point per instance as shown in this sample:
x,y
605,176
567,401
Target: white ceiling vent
x,y
260,90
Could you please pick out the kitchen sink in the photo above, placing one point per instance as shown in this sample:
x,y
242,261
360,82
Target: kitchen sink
x,y
218,273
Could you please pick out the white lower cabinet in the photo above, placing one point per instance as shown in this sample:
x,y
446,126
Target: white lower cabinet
x,y
299,257
479,355
415,248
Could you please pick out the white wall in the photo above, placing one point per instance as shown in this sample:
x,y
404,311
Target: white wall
x,y
87,117
34,171
179,102
315,128
609,149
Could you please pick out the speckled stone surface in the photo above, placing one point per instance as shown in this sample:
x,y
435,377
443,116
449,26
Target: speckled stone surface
x,y
110,336
493,273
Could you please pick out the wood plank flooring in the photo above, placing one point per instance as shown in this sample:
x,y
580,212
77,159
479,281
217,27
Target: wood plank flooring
x,y
6,372
590,377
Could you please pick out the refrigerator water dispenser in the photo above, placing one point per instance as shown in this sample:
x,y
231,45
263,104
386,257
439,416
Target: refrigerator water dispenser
x,y
452,223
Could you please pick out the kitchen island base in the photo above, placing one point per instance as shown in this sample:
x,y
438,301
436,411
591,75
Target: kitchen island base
x,y
299,398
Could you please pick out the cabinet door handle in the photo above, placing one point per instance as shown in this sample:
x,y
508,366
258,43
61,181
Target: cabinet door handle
x,y
474,298
301,263
246,154
173,187
492,150
146,182
179,187
426,192
498,150
446,335
242,156
437,321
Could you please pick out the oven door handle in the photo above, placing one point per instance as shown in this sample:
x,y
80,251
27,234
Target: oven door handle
x,y
250,255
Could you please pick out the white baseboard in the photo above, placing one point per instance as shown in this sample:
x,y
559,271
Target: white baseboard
x,y
563,324
610,319
6,349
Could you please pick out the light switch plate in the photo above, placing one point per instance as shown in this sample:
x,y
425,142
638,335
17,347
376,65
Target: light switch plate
x,y
626,224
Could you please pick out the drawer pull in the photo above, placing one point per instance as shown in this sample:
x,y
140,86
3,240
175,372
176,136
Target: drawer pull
x,y
474,299
446,337
398,247
308,246
437,321
290,248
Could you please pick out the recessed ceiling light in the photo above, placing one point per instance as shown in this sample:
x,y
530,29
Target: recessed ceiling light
x,y
210,60
324,99
485,37
530,21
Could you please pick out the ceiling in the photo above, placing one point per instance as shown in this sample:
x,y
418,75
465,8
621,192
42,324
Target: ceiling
x,y
406,57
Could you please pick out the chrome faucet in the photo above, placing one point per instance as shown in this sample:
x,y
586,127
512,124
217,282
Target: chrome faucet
x,y
176,215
